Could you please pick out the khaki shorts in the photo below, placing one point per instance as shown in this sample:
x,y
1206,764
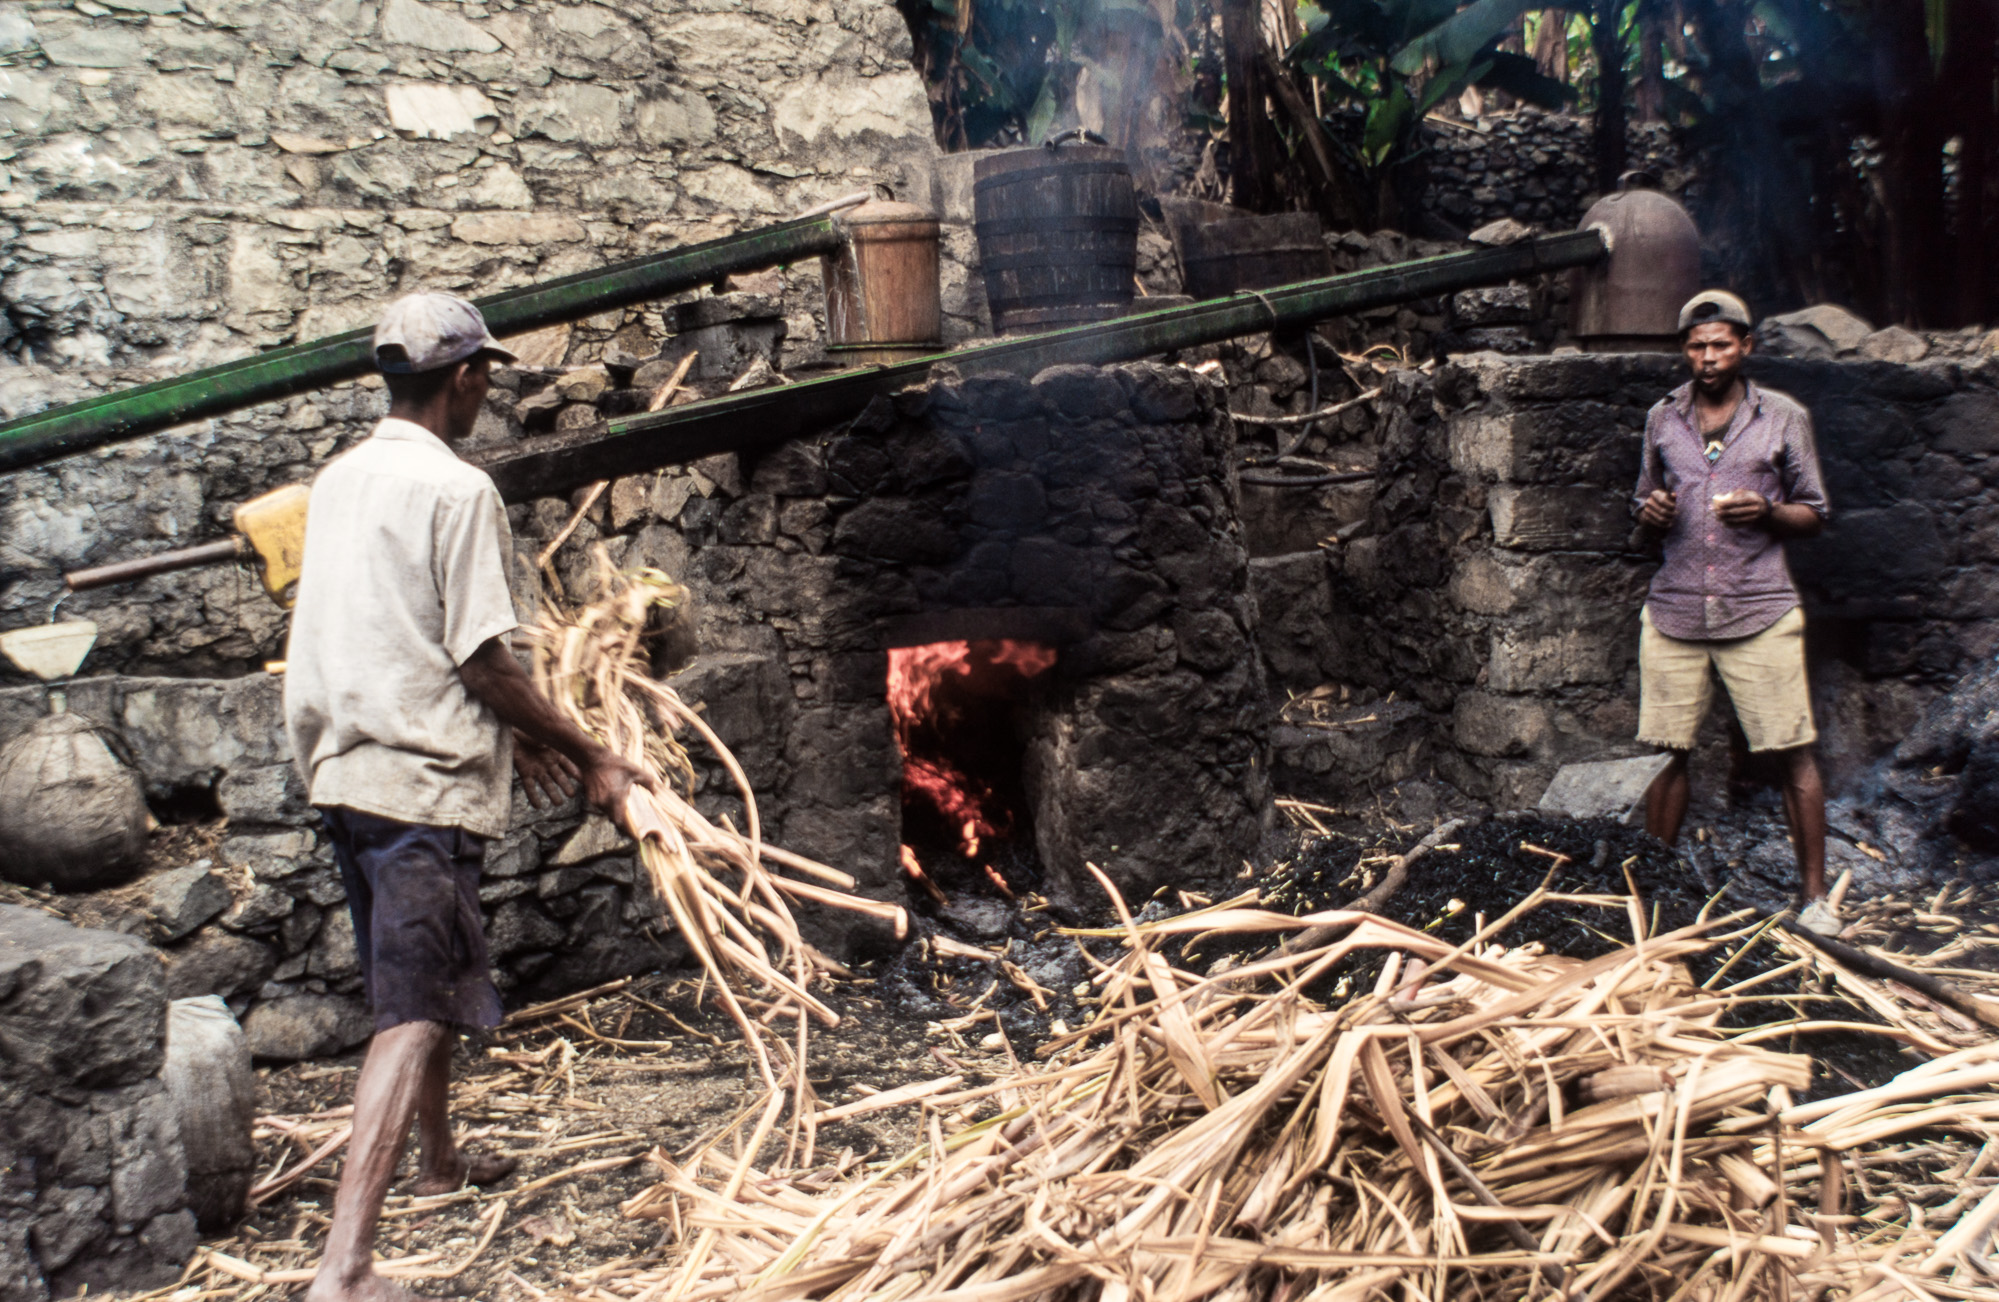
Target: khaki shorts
x,y
1764,674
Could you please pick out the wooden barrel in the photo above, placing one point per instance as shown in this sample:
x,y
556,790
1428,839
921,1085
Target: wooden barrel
x,y
883,303
1058,235
1247,251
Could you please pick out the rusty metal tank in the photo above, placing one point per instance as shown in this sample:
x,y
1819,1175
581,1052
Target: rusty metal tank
x,y
1630,302
883,303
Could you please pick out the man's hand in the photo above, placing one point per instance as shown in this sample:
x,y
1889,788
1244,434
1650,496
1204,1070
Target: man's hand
x,y
609,779
1660,510
548,776
1742,508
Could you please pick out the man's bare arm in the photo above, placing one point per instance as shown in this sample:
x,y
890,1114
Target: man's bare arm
x,y
493,675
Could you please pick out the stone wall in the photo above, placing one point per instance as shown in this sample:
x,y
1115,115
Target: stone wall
x,y
182,181
1533,166
1496,583
968,507
92,1174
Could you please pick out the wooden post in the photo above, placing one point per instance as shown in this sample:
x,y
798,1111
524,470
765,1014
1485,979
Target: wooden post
x,y
1253,155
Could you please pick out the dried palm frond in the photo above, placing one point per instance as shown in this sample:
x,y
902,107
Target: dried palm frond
x,y
1486,1124
719,885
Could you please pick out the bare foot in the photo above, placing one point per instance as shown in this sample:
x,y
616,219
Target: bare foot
x,y
367,1287
479,1169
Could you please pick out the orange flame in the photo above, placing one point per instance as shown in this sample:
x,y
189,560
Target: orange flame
x,y
915,673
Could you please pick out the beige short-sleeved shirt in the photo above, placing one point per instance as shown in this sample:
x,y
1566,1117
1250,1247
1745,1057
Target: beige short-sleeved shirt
x,y
405,576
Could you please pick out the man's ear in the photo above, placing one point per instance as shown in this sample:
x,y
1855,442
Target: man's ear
x,y
1748,342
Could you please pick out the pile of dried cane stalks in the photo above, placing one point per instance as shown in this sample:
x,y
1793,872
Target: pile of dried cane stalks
x,y
1488,1123
718,883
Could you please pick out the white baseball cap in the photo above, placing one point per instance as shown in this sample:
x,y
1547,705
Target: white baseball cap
x,y
422,332
1715,305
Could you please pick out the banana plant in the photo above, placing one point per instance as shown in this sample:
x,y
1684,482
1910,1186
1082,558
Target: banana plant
x,y
1393,61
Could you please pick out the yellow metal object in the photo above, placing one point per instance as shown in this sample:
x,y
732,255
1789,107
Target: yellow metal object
x,y
274,524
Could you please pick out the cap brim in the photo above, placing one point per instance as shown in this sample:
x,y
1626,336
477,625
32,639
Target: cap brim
x,y
498,350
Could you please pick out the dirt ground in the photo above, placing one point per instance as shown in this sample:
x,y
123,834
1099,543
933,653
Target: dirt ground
x,y
592,1094
581,1095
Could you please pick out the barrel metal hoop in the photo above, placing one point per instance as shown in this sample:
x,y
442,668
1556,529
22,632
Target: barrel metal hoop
x,y
990,227
1035,259
1029,176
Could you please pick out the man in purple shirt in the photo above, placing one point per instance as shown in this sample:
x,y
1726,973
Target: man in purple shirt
x,y
1730,473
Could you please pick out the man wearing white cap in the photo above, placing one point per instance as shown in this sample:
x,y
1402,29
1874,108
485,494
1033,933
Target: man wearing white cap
x,y
1730,472
404,705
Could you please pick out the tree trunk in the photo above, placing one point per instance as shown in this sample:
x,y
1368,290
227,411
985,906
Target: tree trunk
x,y
1968,72
1551,45
1253,154
1651,61
1912,139
1609,50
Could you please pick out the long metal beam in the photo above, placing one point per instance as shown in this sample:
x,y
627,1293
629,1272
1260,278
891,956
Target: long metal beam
x,y
557,463
282,372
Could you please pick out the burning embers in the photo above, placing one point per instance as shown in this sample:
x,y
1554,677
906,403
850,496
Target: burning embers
x,y
963,805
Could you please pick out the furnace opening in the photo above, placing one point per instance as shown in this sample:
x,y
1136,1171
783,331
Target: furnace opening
x,y
966,819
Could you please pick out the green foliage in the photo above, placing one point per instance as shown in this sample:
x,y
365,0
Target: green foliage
x,y
1395,60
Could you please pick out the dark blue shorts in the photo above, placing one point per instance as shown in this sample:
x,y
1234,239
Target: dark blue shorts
x,y
414,895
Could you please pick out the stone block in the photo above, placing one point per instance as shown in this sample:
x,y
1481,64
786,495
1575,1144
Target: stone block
x,y
265,793
1522,660
1965,423
433,112
1842,329
741,696
78,1008
215,962
305,1026
595,837
1604,788
1874,554
1493,305
1294,603
178,900
1500,726
430,27
1552,518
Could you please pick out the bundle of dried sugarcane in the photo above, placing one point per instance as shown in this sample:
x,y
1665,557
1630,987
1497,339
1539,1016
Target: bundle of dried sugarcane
x,y
718,884
1486,1123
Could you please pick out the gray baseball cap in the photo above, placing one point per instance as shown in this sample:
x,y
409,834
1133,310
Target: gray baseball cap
x,y
1710,306
423,332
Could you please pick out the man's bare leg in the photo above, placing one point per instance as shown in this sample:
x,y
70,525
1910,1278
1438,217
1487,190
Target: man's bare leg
x,y
1804,815
393,1079
1666,799
441,1166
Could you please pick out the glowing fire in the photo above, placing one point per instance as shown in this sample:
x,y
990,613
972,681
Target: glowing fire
x,y
915,675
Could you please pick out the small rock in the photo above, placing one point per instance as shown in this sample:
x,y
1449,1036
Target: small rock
x,y
1840,327
1894,344
1504,231
597,837
584,385
218,963
577,415
306,1026
1605,788
985,919
180,899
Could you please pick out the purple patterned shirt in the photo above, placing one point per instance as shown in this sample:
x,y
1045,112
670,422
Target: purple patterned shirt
x,y
1720,581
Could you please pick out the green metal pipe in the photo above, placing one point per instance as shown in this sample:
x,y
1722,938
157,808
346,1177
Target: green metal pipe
x,y
130,413
557,463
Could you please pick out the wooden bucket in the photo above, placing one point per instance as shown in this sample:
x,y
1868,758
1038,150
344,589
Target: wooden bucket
x,y
1058,235
882,297
1245,250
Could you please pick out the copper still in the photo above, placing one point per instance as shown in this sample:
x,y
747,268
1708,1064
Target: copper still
x,y
1630,302
883,303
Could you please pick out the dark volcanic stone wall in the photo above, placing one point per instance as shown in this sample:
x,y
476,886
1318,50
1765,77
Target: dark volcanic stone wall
x,y
1497,582
1102,501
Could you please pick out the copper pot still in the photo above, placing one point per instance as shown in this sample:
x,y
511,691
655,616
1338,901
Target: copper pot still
x,y
883,302
1630,302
